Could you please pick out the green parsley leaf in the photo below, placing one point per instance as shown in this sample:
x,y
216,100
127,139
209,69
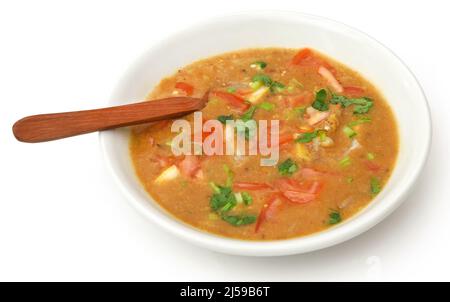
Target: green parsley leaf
x,y
288,167
224,200
224,118
248,115
238,220
361,105
320,100
247,198
306,137
334,217
277,87
264,79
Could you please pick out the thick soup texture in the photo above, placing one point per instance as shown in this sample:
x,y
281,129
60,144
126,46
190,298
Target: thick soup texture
x,y
338,145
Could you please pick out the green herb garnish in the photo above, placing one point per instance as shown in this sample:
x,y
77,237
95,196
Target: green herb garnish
x,y
375,186
230,175
320,100
266,106
288,167
349,131
259,65
345,162
370,156
334,217
224,118
247,198
262,79
238,220
223,199
306,137
361,105
248,115
277,87
231,89
362,120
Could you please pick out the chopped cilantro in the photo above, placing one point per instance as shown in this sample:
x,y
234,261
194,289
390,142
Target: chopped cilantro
x,y
361,105
306,137
334,217
224,118
320,100
238,220
247,198
288,167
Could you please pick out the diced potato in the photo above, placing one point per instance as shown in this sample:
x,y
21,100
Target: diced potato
x,y
169,174
258,95
302,152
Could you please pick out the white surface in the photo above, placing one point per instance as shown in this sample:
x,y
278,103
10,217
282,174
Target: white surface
x,y
299,30
61,217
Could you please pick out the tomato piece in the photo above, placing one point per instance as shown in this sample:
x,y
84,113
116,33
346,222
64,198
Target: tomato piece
x,y
269,210
299,197
233,100
189,166
244,92
187,88
252,186
288,184
164,161
301,56
285,138
354,91
371,166
330,78
311,173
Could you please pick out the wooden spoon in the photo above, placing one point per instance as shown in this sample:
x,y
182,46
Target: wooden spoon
x,y
46,127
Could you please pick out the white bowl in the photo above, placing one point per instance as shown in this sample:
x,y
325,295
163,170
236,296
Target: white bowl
x,y
264,29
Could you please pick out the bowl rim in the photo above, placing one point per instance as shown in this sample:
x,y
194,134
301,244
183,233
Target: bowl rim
x,y
298,245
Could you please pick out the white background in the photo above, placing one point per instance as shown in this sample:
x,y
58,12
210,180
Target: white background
x,y
63,219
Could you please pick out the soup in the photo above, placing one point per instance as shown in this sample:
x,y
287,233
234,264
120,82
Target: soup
x,y
337,145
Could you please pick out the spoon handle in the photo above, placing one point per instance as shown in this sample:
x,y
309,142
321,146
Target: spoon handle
x,y
46,127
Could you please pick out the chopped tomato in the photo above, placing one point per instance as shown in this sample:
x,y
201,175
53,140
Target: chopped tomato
x,y
252,186
188,89
165,161
233,100
287,184
269,210
243,91
190,165
301,55
314,116
353,91
299,197
329,77
285,138
371,166
311,173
